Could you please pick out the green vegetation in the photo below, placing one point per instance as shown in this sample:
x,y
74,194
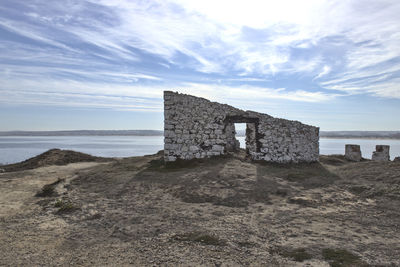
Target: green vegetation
x,y
245,244
298,254
299,176
161,165
64,206
335,160
341,257
48,190
302,172
205,239
309,175
358,189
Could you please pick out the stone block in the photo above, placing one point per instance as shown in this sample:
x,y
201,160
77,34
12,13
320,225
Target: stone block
x,y
169,133
169,127
171,158
194,148
217,148
217,132
381,153
352,152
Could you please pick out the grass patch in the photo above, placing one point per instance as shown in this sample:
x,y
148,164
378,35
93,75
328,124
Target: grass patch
x,y
180,164
48,190
341,257
64,206
335,160
309,175
202,238
299,176
307,171
358,189
302,201
183,164
246,244
297,254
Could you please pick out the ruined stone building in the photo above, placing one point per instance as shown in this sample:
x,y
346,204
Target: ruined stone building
x,y
198,128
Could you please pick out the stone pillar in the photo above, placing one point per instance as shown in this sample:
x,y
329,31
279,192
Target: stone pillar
x,y
353,152
251,131
232,144
381,153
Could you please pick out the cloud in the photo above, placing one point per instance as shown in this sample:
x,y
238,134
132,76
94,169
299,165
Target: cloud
x,y
30,32
131,97
249,94
85,96
326,69
347,46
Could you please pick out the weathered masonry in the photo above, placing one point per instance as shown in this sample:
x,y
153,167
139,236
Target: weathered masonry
x,y
381,153
353,152
198,128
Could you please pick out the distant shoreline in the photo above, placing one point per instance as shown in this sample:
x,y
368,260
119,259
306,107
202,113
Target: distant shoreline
x,y
83,135
360,137
389,135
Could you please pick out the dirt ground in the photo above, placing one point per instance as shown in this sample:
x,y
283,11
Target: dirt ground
x,y
225,211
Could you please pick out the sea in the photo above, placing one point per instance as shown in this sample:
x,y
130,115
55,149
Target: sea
x,y
18,148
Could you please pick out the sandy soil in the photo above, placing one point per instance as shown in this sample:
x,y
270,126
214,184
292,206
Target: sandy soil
x,y
218,212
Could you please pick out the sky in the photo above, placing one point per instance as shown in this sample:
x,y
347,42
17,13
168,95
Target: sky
x,y
83,64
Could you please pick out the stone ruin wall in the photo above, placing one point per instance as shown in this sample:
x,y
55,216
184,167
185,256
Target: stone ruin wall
x,y
198,128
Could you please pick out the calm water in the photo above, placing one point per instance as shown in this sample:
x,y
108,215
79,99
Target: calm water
x,y
18,148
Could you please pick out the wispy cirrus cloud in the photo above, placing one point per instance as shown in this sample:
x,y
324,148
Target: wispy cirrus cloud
x,y
316,50
249,94
325,70
138,97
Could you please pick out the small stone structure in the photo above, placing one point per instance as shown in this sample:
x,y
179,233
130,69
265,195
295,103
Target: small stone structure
x,y
198,128
381,153
353,152
396,159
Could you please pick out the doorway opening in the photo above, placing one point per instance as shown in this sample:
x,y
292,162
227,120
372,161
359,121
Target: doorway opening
x,y
240,134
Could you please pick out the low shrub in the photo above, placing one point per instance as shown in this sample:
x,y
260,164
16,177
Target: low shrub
x,y
205,239
341,257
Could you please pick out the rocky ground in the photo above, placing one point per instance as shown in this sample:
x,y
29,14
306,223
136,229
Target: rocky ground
x,y
225,211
